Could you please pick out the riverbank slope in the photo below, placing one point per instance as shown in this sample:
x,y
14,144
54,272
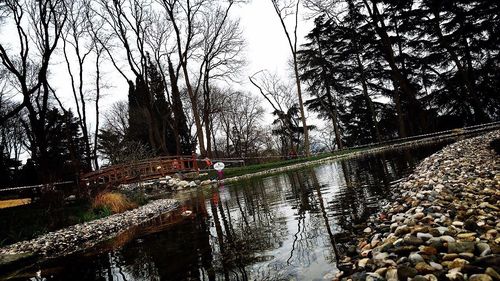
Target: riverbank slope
x,y
83,236
442,224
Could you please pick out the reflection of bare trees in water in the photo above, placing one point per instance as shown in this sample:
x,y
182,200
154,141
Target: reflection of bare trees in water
x,y
244,228
324,215
366,183
307,225
248,226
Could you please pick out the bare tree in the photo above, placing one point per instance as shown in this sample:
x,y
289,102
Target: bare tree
x,y
39,26
284,9
74,37
188,12
241,120
221,47
322,7
116,118
327,137
284,105
100,40
12,134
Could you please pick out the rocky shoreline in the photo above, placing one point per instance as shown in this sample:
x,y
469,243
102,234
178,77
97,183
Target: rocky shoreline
x,y
442,224
85,235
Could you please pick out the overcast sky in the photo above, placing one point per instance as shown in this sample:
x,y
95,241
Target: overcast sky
x,y
266,49
267,46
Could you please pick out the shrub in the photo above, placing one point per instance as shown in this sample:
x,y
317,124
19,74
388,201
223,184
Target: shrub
x,y
112,202
138,198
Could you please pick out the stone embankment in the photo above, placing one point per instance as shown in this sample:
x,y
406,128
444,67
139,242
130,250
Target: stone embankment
x,y
85,235
443,222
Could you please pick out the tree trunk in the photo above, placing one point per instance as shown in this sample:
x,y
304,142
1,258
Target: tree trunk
x,y
177,110
196,114
374,128
207,109
399,112
98,95
333,112
307,148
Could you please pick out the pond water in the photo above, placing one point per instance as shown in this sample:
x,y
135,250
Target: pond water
x,y
281,227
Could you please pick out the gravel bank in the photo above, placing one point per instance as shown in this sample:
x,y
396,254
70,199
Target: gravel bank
x,y
85,235
443,223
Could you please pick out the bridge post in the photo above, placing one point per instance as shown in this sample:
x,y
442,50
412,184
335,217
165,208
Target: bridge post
x,y
195,163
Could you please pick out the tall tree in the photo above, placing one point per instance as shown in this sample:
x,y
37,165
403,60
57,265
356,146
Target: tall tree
x,y
458,44
319,71
75,54
284,9
221,47
129,20
187,11
39,26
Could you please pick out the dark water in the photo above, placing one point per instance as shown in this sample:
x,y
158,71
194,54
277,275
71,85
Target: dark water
x,y
282,227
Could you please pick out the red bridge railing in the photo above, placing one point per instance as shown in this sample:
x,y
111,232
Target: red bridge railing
x,y
141,170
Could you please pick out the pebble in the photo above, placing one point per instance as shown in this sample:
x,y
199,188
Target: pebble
x,y
424,268
424,236
443,221
391,274
455,274
491,272
480,277
436,266
457,263
447,238
405,272
460,247
413,240
400,230
415,258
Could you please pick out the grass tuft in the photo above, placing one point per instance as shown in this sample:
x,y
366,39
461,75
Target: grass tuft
x,y
113,202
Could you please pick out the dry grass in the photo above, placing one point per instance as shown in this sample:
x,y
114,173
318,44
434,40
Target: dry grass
x,y
14,202
115,202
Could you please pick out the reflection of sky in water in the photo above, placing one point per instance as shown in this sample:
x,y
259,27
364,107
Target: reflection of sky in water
x,y
274,228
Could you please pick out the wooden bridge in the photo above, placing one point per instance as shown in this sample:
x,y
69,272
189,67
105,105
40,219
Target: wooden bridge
x,y
141,170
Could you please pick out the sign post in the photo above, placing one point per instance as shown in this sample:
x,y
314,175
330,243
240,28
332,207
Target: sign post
x,y
219,167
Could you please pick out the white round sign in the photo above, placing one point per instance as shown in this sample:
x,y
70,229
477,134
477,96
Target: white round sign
x,y
219,166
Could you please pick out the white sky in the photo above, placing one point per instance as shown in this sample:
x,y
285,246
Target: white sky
x,y
266,48
267,45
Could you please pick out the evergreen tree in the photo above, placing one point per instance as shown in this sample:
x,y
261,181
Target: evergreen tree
x,y
65,151
153,121
460,47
